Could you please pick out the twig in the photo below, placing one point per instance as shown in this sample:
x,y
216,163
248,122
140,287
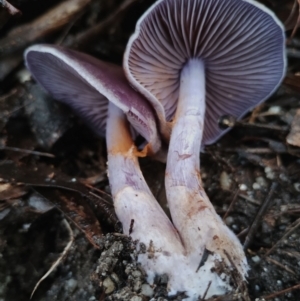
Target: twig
x,y
98,190
297,23
107,208
243,233
58,261
11,9
280,265
205,293
235,198
287,234
287,290
26,151
258,150
11,93
229,121
18,109
131,226
259,216
66,31
85,37
251,200
292,254
51,21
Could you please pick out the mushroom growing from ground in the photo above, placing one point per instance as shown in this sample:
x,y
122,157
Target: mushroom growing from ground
x,y
100,94
196,61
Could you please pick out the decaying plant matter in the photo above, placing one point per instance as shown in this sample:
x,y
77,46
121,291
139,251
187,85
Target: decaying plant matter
x,y
238,173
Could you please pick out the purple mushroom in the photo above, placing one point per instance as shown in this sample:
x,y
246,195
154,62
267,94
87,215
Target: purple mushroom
x,y
100,94
196,61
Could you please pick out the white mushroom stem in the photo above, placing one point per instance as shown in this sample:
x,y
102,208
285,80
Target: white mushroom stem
x,y
138,211
200,228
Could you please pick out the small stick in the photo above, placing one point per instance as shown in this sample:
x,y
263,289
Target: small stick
x,y
96,195
251,200
287,290
205,293
296,25
85,37
51,21
280,265
259,150
131,226
259,216
11,9
243,233
61,257
291,15
235,198
288,233
26,151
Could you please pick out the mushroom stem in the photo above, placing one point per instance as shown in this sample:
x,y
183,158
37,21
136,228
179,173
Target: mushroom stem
x,y
138,211
200,228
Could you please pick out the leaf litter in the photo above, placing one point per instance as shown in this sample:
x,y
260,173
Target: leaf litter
x,y
52,170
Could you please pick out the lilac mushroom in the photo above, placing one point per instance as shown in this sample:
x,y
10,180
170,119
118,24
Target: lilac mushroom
x,y
196,61
100,94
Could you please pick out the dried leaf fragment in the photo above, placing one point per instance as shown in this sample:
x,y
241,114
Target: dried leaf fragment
x,y
293,137
8,191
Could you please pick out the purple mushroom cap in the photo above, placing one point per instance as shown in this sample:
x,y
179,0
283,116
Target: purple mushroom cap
x,y
88,85
240,42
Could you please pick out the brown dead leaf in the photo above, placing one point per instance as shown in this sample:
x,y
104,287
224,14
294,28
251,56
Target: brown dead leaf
x,y
8,191
76,211
73,199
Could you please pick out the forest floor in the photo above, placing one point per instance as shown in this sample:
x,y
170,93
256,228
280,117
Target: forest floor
x,y
56,212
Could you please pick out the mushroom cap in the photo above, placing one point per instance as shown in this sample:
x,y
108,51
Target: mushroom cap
x,y
87,85
241,43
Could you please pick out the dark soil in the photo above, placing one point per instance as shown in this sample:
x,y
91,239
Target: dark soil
x,y
53,185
